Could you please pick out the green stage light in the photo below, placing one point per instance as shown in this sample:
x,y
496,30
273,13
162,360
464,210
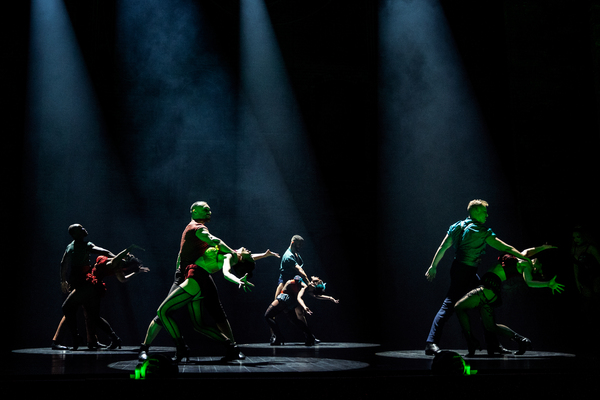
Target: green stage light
x,y
157,366
451,363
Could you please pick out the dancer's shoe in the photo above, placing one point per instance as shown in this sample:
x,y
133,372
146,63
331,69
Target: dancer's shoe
x,y
76,342
523,342
233,353
275,341
500,350
311,340
115,342
431,349
143,353
182,352
56,346
96,345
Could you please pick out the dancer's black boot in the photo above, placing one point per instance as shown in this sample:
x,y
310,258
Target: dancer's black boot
x,y
523,342
76,342
182,352
276,340
115,342
233,352
96,345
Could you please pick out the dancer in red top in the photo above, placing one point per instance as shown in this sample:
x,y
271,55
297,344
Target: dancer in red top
x,y
200,255
190,249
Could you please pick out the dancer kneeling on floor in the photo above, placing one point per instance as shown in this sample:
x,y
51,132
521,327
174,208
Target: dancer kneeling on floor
x,y
290,302
199,290
487,296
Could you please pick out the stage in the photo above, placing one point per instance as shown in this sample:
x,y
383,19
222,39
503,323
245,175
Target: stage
x,y
361,370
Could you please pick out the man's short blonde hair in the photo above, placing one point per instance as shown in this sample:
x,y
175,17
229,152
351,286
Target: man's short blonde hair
x,y
477,203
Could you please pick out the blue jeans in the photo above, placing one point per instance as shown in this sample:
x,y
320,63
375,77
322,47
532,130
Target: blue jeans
x,y
463,279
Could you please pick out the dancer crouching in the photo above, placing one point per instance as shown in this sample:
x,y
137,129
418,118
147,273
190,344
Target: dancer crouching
x,y
487,296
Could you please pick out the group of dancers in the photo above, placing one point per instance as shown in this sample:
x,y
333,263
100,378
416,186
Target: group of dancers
x,y
202,254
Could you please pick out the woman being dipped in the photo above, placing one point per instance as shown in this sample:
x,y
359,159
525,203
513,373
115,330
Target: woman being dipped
x,y
124,266
199,290
487,296
290,302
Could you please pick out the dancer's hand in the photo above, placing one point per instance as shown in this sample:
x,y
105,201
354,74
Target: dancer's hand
x,y
64,286
245,284
553,285
266,254
269,253
431,272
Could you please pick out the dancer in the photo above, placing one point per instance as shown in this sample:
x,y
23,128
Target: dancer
x,y
290,301
586,265
191,248
199,290
291,264
74,267
470,238
195,241
90,293
487,296
586,270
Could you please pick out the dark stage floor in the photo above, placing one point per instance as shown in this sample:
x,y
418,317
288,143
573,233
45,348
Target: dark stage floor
x,y
361,370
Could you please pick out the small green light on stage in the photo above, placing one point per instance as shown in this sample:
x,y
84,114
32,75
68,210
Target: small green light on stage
x,y
156,366
140,371
468,370
451,363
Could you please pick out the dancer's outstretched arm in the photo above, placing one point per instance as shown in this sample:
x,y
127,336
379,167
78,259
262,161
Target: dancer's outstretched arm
x,y
230,276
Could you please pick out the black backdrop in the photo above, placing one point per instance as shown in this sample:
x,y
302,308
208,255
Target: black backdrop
x,y
533,69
